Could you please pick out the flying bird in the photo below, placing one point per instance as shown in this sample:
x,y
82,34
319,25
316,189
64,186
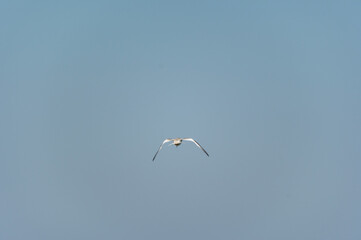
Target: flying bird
x,y
177,142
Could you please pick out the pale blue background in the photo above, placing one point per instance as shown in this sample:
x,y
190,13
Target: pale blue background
x,y
90,89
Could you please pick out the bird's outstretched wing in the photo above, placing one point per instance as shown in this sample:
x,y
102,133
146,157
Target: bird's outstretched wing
x,y
165,141
192,140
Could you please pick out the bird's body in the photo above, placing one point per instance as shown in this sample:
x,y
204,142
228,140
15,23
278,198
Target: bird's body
x,y
177,142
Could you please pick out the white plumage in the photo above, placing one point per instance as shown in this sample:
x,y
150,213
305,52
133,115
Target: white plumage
x,y
177,142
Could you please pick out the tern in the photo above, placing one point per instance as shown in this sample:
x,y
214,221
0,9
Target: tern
x,y
177,142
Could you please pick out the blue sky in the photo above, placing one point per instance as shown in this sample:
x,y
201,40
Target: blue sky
x,y
89,90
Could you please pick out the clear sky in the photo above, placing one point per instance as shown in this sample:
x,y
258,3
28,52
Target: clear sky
x,y
90,89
